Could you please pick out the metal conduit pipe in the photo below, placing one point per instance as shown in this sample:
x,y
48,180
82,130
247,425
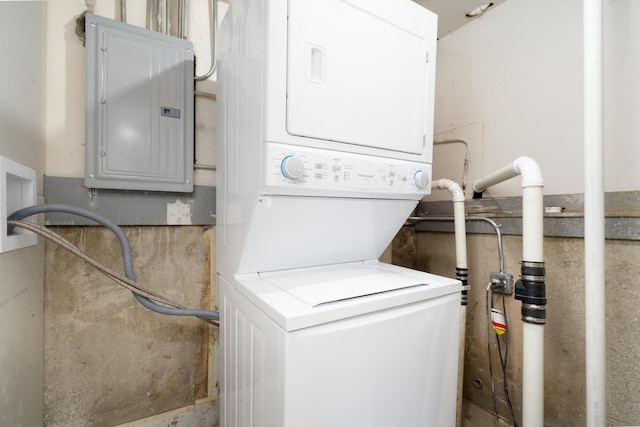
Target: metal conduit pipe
x,y
214,29
496,229
184,22
123,11
531,288
462,273
465,167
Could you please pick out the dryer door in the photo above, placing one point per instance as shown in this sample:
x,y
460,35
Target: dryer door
x,y
360,72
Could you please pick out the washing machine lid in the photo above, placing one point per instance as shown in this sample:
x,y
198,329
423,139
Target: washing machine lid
x,y
334,286
301,298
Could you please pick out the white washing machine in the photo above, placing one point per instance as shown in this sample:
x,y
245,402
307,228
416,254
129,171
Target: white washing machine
x,y
325,115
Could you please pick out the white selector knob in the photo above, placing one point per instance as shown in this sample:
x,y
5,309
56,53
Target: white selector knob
x,y
421,178
292,167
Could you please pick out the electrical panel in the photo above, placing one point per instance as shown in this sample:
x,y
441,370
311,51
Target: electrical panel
x,y
139,108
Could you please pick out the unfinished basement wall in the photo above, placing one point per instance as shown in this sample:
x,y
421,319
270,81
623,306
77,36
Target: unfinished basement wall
x,y
109,360
564,375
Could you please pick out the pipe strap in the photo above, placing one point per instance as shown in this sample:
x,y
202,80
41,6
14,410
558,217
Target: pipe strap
x,y
530,268
532,313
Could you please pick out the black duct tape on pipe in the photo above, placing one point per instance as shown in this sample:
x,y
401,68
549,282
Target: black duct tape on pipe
x,y
462,274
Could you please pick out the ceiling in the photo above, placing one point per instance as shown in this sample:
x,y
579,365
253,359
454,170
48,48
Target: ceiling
x,y
451,13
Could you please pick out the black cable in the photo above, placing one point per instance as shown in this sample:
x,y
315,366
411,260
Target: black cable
x,y
503,361
126,253
489,327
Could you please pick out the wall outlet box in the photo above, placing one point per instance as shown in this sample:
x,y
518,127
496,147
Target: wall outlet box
x,y
17,191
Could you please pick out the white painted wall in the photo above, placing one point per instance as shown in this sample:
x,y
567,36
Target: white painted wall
x,y
510,83
66,80
22,119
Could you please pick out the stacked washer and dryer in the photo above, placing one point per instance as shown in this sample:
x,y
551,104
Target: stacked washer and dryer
x,y
325,123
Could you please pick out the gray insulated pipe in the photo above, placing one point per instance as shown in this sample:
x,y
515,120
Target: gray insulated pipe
x,y
126,253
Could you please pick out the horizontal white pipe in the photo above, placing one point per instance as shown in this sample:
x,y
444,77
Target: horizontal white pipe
x,y
525,166
594,237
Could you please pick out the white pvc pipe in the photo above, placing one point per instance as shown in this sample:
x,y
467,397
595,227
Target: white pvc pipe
x,y
525,166
458,218
594,237
461,351
532,251
532,334
461,263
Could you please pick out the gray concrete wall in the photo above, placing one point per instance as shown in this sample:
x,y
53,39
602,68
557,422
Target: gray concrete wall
x,y
564,332
108,360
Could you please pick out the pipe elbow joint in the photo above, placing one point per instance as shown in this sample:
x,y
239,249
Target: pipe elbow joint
x,y
451,186
477,190
524,166
530,172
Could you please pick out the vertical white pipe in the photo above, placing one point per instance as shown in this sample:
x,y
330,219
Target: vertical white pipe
x,y
461,351
532,251
532,375
594,216
459,224
461,262
532,334
532,224
460,233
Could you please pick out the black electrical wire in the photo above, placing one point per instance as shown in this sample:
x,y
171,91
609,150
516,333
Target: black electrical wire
x,y
126,254
503,358
503,361
489,327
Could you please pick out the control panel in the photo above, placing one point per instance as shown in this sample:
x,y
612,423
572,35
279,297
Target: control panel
x,y
304,168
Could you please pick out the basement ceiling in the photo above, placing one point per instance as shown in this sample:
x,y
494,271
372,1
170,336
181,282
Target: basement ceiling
x,y
451,13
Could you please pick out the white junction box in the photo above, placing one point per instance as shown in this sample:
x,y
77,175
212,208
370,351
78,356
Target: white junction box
x,y
17,191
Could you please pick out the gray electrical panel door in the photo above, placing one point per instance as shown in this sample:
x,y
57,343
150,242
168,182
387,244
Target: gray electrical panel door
x,y
139,108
